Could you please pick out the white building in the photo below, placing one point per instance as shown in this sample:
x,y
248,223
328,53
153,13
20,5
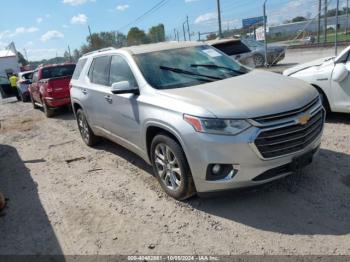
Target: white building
x,y
9,61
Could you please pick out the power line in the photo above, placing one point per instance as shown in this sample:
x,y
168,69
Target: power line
x,y
150,11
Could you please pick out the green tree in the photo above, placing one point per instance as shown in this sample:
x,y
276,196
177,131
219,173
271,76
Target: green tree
x,y
136,36
298,19
76,55
21,59
103,40
156,34
67,56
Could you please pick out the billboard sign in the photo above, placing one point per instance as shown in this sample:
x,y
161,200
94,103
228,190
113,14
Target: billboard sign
x,y
253,21
260,34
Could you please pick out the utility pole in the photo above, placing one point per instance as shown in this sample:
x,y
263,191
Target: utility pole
x,y
347,17
177,35
219,18
70,54
183,29
265,22
319,21
325,20
336,28
199,36
92,43
25,53
188,29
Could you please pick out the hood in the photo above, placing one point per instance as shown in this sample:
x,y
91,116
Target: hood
x,y
255,94
301,67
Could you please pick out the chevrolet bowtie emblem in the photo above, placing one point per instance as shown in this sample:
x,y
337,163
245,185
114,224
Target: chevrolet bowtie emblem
x,y
304,119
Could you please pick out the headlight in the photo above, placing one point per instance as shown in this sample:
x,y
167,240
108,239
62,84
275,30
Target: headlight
x,y
217,126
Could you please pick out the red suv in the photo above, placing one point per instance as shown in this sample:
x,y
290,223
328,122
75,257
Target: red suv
x,y
50,87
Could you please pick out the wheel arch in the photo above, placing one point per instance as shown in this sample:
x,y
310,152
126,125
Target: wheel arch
x,y
153,129
324,94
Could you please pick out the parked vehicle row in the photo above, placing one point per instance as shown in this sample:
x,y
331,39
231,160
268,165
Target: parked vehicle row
x,y
249,51
330,76
49,87
203,121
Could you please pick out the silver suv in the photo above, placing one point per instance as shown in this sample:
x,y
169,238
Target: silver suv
x,y
203,121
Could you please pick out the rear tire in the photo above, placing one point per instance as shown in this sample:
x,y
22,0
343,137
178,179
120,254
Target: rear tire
x,y
47,110
171,168
86,133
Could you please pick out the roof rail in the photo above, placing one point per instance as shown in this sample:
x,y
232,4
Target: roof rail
x,y
100,50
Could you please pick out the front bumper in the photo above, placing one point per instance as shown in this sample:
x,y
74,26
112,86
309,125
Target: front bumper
x,y
256,163
206,149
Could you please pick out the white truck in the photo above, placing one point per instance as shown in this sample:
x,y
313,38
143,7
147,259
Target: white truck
x,y
331,77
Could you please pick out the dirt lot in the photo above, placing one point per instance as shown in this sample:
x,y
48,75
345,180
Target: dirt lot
x,y
107,202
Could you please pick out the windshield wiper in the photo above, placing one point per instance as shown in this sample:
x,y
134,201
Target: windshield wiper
x,y
218,67
185,72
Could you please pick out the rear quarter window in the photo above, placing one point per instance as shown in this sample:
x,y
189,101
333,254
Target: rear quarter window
x,y
232,48
79,68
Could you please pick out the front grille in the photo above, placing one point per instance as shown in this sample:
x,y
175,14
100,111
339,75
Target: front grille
x,y
266,120
287,140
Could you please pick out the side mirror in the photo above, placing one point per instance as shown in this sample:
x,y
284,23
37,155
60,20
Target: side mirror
x,y
124,87
340,72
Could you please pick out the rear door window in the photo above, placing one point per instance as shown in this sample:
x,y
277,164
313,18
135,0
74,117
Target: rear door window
x,y
79,68
99,71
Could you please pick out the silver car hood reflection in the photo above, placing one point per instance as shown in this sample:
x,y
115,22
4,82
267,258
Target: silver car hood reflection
x,y
257,93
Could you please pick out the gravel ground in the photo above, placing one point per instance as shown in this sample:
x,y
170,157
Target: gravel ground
x,y
107,202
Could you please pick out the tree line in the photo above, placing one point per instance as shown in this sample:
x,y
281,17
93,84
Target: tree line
x,y
135,36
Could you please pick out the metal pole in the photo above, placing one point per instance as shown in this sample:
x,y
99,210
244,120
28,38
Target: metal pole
x,y
70,54
319,20
347,17
336,28
188,29
199,36
265,22
219,18
183,28
325,21
92,43
25,53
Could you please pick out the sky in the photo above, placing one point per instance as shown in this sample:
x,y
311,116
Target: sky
x,y
45,28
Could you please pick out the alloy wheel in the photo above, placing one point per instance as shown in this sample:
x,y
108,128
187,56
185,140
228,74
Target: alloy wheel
x,y
83,127
168,167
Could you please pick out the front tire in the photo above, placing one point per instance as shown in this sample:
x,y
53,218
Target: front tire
x,y
171,168
86,133
259,60
33,102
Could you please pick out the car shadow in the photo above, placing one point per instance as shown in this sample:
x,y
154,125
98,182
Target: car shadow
x,y
338,118
24,225
315,202
129,156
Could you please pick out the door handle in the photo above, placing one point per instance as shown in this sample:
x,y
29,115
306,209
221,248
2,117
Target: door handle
x,y
109,99
84,91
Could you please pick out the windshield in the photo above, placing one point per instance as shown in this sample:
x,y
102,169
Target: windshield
x,y
58,71
178,68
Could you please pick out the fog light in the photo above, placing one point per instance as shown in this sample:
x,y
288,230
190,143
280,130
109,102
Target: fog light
x,y
217,172
216,169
